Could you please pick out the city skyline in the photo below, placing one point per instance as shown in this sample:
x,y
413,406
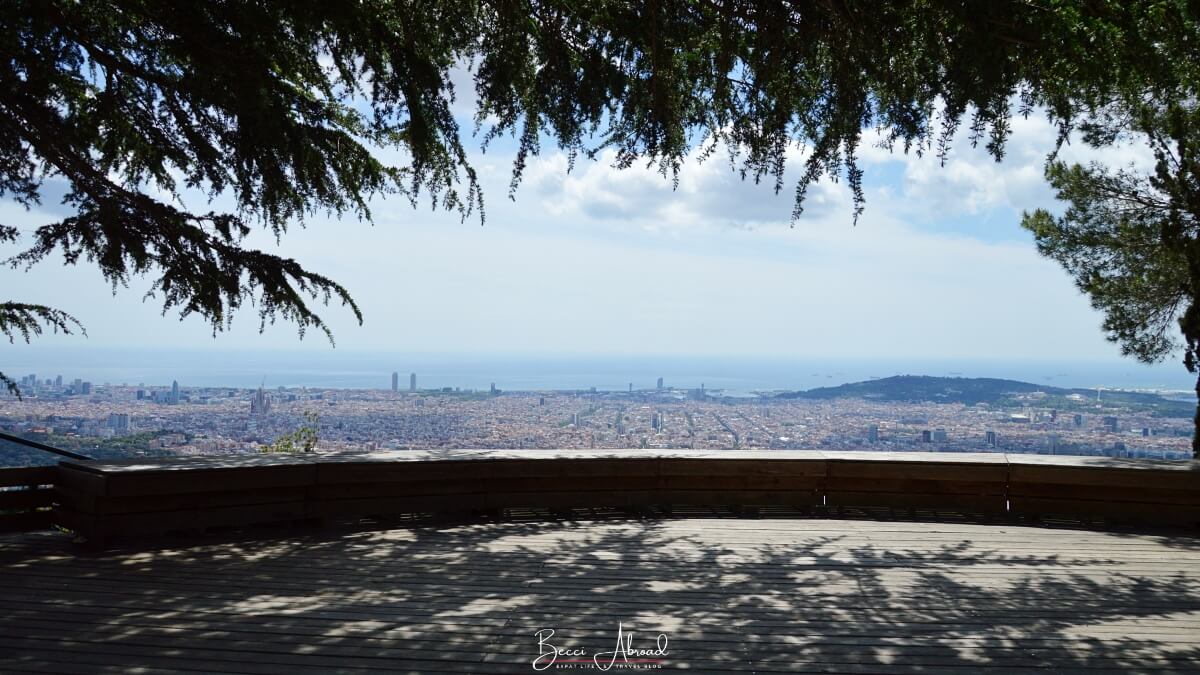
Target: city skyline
x,y
118,421
524,373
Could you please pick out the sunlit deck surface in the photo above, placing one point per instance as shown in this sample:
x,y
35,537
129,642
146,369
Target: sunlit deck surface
x,y
732,595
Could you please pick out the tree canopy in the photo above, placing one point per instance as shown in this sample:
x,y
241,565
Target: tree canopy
x,y
1131,240
284,108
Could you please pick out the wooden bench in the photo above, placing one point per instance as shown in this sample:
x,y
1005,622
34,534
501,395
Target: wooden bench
x,y
1119,490
908,480
104,499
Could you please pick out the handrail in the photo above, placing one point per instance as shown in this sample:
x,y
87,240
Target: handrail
x,y
41,446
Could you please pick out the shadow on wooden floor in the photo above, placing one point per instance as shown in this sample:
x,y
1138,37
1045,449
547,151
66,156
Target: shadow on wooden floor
x,y
730,595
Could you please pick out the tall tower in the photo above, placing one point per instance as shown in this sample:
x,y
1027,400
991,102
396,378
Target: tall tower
x,y
261,403
412,381
660,383
175,392
395,381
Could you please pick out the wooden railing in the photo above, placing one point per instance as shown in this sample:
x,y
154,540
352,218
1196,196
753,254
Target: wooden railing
x,y
103,499
27,496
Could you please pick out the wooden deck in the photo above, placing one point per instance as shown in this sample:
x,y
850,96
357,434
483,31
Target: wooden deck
x,y
731,595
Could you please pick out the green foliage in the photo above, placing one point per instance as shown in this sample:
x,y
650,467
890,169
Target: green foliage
x,y
281,106
303,439
117,447
1110,241
1132,241
26,321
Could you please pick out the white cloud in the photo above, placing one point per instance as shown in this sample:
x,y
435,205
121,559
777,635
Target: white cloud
x,y
600,260
972,182
710,194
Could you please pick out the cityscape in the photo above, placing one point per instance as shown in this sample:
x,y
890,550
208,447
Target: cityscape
x,y
106,420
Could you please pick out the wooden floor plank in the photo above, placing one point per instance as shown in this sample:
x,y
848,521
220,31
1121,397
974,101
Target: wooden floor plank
x,y
735,596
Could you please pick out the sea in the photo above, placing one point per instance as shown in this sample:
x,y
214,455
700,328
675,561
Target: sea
x,y
732,375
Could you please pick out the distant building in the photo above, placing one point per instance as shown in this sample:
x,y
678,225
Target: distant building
x,y
990,439
58,381
1145,432
1110,423
174,400
873,434
631,387
926,436
141,394
261,403
118,422
85,388
493,391
395,381
412,382
939,435
660,383
1078,421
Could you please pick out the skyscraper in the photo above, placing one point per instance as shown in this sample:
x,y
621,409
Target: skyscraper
x,y
660,383
174,392
395,381
58,381
412,382
873,434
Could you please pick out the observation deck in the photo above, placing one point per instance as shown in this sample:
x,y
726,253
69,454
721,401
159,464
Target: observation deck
x,y
454,561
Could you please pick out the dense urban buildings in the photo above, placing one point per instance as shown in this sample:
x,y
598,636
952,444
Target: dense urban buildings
x,y
183,420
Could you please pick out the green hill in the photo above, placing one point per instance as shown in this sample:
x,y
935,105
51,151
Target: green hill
x,y
994,392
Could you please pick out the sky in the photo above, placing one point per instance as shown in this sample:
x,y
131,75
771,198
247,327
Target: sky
x,y
615,262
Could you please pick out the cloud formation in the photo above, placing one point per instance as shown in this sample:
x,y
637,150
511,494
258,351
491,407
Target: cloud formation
x,y
605,261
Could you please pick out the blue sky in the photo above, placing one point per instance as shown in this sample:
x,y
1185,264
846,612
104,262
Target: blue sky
x,y
603,261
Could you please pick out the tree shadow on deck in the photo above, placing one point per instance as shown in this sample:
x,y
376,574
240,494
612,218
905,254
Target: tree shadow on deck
x,y
730,595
